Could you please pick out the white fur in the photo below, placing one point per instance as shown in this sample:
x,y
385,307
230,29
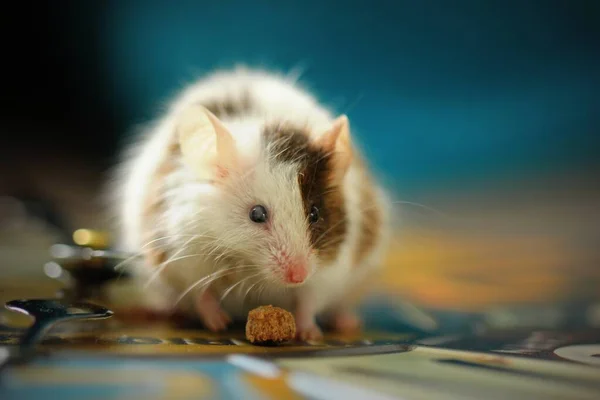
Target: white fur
x,y
207,229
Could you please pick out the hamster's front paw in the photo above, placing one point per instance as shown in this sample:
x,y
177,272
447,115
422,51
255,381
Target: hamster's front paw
x,y
307,329
216,320
210,312
306,326
346,322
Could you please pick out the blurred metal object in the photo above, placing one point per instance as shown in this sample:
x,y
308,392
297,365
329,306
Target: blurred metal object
x,y
84,270
46,313
49,312
73,254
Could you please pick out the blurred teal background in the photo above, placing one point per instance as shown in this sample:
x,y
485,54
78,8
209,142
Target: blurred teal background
x,y
437,91
482,115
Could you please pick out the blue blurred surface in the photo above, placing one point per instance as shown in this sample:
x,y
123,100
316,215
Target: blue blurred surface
x,y
437,91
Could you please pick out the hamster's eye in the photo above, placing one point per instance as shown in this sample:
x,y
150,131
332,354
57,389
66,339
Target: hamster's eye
x,y
258,214
314,215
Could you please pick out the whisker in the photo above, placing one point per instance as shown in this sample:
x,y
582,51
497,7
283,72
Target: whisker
x,y
129,259
237,284
171,259
226,272
354,103
248,291
412,203
170,237
215,275
251,287
123,264
367,207
262,289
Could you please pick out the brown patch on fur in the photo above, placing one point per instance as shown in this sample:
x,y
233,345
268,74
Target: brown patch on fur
x,y
230,107
319,185
158,257
370,217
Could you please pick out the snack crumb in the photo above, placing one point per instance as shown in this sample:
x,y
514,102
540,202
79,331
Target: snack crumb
x,y
268,324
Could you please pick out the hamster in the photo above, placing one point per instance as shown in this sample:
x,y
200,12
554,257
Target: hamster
x,y
248,192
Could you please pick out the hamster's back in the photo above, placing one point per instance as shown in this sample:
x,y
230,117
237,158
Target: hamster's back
x,y
242,92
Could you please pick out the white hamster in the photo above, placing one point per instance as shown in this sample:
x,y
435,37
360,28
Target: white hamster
x,y
248,192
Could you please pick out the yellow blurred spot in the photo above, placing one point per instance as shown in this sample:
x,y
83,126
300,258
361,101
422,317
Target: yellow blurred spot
x,y
175,384
471,272
276,388
91,238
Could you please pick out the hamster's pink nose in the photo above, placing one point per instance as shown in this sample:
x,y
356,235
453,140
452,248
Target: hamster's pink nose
x,y
296,272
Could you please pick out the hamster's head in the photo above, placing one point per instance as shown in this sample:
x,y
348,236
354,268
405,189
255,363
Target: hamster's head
x,y
279,208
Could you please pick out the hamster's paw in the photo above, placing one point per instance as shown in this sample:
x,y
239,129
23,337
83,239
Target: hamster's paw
x,y
308,330
306,326
346,322
216,321
211,314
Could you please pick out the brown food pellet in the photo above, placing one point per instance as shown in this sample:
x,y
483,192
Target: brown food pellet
x,y
268,324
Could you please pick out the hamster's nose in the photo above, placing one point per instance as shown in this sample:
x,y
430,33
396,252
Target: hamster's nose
x,y
296,272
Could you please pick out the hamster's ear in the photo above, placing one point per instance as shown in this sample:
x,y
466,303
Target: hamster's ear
x,y
336,139
206,144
